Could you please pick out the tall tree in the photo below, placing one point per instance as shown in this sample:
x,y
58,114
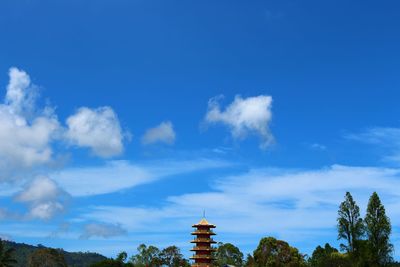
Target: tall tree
x,y
350,225
378,231
6,256
171,256
273,253
228,254
147,256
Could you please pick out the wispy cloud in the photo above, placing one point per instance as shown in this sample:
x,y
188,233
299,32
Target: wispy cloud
x,y
162,133
102,230
317,146
387,138
118,175
263,201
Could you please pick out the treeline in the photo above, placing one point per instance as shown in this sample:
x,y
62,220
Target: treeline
x,y
365,243
24,255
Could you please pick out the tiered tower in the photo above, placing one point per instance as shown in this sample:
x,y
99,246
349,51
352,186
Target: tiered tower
x,y
203,249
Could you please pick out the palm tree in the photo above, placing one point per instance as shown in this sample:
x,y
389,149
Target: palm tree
x,y
6,259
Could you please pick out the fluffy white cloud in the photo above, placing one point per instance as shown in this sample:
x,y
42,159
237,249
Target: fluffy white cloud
x,y
40,189
28,131
244,116
44,198
163,133
45,210
21,93
25,133
103,230
98,129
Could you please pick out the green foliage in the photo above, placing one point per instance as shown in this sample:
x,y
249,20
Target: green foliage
x,y
119,261
152,256
378,231
228,254
276,253
47,257
147,256
73,259
6,256
171,256
350,225
328,257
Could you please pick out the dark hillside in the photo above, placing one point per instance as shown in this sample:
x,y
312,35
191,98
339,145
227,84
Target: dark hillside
x,y
74,259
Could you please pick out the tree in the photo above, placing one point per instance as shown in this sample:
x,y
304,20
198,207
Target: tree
x,y
121,257
249,261
378,231
350,225
228,254
6,256
328,257
117,262
171,256
147,256
273,253
46,257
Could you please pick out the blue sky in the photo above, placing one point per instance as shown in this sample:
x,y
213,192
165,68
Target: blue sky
x,y
121,121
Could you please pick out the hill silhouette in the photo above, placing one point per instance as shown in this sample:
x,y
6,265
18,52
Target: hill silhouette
x,y
73,259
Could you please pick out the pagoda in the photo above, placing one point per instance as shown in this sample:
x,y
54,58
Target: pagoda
x,y
203,250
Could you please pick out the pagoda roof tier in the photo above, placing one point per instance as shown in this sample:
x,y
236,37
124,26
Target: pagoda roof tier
x,y
203,257
203,240
201,248
204,223
200,232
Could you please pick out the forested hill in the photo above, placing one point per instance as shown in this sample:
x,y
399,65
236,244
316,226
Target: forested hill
x,y
73,259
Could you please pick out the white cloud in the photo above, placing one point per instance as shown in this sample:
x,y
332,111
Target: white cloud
x,y
163,133
44,198
378,135
119,175
25,132
386,138
45,210
103,230
21,93
317,146
40,189
98,129
244,116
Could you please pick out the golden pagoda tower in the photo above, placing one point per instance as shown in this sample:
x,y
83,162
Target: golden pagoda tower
x,y
203,240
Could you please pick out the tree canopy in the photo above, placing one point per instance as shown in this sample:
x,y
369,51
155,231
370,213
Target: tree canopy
x,y
272,252
6,256
350,224
47,257
378,231
228,254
